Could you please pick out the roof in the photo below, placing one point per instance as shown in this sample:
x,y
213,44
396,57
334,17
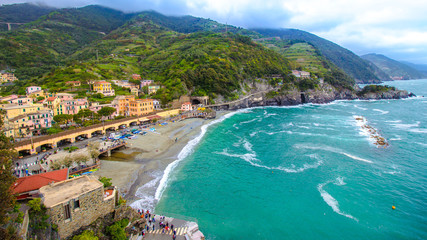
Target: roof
x,y
64,191
101,82
51,99
34,182
33,86
187,103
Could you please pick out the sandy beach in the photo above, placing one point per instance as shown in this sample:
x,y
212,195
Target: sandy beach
x,y
137,170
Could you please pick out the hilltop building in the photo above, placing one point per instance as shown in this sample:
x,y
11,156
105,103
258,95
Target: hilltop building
x,y
300,74
7,77
186,106
136,76
73,83
32,89
77,202
146,83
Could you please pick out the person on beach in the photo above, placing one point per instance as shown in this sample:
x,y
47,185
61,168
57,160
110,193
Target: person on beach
x,y
153,227
172,227
174,237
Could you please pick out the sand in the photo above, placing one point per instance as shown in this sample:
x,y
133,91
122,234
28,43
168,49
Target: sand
x,y
137,170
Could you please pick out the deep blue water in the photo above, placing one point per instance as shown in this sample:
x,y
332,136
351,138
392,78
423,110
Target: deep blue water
x,y
309,172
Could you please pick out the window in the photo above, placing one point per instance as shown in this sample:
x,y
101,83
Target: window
x,y
76,203
67,213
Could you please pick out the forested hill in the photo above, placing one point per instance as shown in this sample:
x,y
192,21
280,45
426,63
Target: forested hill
x,y
22,13
393,68
352,64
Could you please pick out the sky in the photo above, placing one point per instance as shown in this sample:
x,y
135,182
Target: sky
x,y
395,28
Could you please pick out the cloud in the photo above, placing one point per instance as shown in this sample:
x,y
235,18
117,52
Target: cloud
x,y
391,27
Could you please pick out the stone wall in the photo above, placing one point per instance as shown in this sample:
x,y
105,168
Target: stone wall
x,y
92,206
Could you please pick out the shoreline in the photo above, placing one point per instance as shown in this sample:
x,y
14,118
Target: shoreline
x,y
138,170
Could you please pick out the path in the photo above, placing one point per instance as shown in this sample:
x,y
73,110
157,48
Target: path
x,y
180,226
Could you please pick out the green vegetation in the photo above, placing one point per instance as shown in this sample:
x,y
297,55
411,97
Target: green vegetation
x,y
117,230
86,235
7,199
106,181
38,218
375,89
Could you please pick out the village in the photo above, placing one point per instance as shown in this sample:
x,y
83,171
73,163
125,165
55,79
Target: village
x,y
60,173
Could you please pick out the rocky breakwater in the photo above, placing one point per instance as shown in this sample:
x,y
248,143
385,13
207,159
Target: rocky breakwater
x,y
370,131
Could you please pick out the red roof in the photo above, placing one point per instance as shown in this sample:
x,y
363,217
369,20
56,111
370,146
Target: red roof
x,y
187,103
34,182
153,117
50,99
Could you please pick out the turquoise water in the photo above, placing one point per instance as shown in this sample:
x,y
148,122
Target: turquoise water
x,y
309,172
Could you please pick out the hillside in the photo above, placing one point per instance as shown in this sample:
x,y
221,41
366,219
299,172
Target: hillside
x,y
352,64
420,67
21,13
394,69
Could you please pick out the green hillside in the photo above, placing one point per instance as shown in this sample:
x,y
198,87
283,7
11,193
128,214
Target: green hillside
x,y
21,13
393,68
352,64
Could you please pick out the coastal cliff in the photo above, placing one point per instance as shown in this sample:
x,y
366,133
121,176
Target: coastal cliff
x,y
323,93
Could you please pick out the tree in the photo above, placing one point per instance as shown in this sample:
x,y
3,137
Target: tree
x,y
106,111
83,114
63,118
7,199
106,181
67,161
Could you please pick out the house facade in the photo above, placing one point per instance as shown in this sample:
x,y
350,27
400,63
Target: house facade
x,y
103,87
141,107
146,83
32,89
77,202
95,107
72,106
156,105
122,103
73,83
186,106
153,89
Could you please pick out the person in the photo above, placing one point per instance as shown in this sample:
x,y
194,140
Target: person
x,y
153,227
174,237
172,227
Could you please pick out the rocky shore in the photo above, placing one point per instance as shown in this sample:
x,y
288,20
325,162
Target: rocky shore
x,y
324,93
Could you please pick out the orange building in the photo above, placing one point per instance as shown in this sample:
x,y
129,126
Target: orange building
x,y
141,107
123,104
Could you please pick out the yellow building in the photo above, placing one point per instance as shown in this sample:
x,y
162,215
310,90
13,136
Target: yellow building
x,y
36,94
141,107
123,104
134,91
103,87
153,89
14,110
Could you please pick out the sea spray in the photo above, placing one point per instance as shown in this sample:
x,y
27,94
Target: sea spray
x,y
187,150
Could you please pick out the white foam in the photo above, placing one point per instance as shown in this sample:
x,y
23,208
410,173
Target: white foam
x,y
187,150
249,121
331,201
331,149
381,111
361,108
394,121
340,181
414,127
145,194
422,144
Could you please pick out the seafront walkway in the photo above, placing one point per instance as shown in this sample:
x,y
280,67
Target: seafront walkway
x,y
181,228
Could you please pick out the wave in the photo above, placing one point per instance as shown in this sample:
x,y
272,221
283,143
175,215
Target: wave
x,y
248,121
145,194
187,150
331,201
340,181
331,149
361,108
381,111
422,144
394,121
414,127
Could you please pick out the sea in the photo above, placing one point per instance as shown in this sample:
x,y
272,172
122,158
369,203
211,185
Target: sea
x,y
311,171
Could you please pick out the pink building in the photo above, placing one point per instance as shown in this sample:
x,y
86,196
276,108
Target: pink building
x,y
146,83
65,96
95,107
32,122
32,89
72,106
21,100
186,106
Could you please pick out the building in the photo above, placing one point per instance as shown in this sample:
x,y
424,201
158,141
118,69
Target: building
x,y
26,120
28,187
73,83
77,202
65,96
125,84
186,106
141,107
7,77
156,105
32,89
146,83
134,91
72,106
136,76
36,94
103,87
300,74
122,104
52,103
21,100
95,107
153,89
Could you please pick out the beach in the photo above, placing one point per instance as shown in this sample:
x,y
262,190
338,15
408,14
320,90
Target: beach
x,y
137,170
